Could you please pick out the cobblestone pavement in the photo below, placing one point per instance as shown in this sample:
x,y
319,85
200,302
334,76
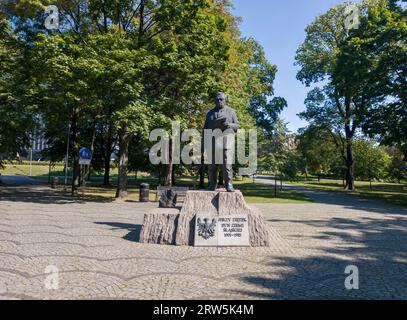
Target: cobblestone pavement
x,y
95,248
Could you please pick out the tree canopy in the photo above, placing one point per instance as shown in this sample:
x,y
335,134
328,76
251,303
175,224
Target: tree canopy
x,y
354,67
114,70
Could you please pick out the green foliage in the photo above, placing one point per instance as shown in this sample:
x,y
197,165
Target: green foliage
x,y
16,119
397,168
281,156
363,72
117,69
321,153
387,73
372,161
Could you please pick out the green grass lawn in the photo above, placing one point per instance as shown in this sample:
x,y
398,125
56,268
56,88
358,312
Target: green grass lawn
x,y
41,171
253,192
392,193
261,193
24,170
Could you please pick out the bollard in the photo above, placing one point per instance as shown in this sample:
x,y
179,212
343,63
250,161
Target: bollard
x,y
144,192
54,182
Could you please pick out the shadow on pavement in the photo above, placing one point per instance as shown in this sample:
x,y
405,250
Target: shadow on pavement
x,y
134,229
378,247
323,278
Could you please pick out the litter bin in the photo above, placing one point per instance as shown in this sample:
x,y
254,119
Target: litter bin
x,y
54,182
144,192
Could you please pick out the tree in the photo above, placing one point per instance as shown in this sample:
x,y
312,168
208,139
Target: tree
x,y
16,117
320,152
336,55
117,69
101,67
264,111
247,78
387,120
273,151
398,167
190,59
372,161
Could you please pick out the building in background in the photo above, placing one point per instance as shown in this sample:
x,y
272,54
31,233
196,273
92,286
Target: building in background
x,y
37,145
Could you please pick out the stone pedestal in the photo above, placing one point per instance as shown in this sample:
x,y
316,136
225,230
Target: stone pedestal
x,y
177,227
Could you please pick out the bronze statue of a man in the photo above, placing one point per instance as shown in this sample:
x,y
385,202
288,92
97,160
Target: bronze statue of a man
x,y
224,118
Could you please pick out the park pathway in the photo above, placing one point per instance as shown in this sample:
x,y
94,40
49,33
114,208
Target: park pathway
x,y
333,198
94,246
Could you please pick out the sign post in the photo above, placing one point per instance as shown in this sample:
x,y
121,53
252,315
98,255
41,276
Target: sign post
x,y
84,160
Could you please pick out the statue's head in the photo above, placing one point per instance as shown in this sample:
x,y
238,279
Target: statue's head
x,y
221,100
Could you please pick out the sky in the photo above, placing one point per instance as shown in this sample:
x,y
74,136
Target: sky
x,y
279,25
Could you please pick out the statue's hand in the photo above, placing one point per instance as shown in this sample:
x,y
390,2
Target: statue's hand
x,y
230,126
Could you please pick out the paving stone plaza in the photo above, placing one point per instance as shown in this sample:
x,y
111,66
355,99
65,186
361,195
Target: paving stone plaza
x,y
94,248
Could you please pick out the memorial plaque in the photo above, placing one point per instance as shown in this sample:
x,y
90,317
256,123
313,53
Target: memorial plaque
x,y
222,231
233,231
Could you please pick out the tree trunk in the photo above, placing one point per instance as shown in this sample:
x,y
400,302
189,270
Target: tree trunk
x,y
349,132
168,175
201,177
350,180
174,180
169,169
106,176
159,175
108,152
141,23
124,141
202,169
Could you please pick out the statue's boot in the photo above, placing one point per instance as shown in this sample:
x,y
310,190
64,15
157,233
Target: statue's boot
x,y
212,187
229,188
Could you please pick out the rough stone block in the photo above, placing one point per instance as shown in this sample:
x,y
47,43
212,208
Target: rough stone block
x,y
160,227
179,228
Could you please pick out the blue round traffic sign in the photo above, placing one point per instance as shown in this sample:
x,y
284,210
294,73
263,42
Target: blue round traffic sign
x,y
85,154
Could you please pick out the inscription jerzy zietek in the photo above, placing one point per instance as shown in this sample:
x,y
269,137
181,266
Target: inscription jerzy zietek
x,y
223,231
232,227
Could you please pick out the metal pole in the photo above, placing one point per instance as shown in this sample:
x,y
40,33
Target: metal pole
x,y
67,157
